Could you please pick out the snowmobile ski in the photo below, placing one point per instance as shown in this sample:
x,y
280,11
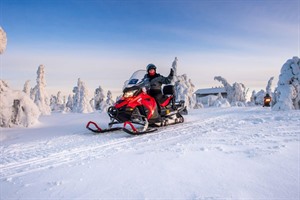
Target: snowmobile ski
x,y
135,131
99,130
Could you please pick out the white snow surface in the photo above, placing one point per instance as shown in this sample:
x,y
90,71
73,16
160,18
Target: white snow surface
x,y
217,153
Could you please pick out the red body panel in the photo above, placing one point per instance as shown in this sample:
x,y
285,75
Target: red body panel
x,y
142,99
166,102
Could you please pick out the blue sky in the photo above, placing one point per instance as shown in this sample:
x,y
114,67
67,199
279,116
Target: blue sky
x,y
103,42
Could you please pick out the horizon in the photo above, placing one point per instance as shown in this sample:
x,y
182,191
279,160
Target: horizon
x,y
104,42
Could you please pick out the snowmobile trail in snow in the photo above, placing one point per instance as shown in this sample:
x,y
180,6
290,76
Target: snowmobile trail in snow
x,y
21,159
211,150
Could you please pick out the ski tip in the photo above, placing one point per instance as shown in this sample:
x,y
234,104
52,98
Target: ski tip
x,y
139,132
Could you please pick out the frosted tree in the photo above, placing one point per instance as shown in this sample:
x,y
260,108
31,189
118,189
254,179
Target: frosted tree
x,y
69,104
57,102
16,108
60,98
3,40
174,67
236,93
99,96
41,98
269,86
27,88
252,98
53,103
81,100
184,88
287,92
109,99
258,98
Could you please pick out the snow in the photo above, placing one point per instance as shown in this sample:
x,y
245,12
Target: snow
x,y
236,93
81,100
17,109
184,88
217,153
207,91
287,93
41,97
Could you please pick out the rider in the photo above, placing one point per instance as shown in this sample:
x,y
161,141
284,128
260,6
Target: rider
x,y
156,80
267,100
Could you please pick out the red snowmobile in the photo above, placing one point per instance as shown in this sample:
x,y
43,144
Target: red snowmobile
x,y
138,112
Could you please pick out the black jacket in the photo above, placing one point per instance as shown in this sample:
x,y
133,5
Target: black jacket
x,y
157,80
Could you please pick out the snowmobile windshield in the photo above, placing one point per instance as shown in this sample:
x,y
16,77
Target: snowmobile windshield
x,y
137,79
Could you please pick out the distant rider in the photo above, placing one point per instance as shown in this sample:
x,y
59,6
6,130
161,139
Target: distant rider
x,y
156,80
267,100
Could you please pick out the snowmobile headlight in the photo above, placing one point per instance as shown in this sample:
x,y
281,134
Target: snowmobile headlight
x,y
129,93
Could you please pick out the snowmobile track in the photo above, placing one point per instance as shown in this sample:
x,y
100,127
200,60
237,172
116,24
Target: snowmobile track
x,y
32,157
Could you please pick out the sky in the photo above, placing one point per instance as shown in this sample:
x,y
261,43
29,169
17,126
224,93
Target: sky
x,y
104,42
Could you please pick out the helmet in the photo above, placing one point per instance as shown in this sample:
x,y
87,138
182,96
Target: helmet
x,y
150,66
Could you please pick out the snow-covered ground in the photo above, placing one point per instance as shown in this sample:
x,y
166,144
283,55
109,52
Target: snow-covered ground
x,y
218,153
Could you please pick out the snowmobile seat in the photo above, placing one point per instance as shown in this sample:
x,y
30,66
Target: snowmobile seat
x,y
168,95
168,90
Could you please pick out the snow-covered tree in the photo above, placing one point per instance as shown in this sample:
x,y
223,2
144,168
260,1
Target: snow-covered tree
x,y
236,93
81,100
53,102
269,86
258,98
99,96
109,100
252,98
69,104
57,103
3,40
174,67
60,98
287,93
41,98
27,88
184,88
16,108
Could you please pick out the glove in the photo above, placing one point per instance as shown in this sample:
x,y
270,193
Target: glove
x,y
171,72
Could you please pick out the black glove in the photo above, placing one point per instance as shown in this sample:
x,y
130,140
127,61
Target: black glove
x,y
171,72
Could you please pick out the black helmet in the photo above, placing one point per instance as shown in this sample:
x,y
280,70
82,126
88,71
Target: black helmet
x,y
150,66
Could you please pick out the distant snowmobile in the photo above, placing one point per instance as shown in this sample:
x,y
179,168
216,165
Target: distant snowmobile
x,y
139,111
267,100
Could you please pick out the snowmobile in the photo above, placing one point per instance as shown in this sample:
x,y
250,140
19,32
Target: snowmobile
x,y
267,100
138,112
